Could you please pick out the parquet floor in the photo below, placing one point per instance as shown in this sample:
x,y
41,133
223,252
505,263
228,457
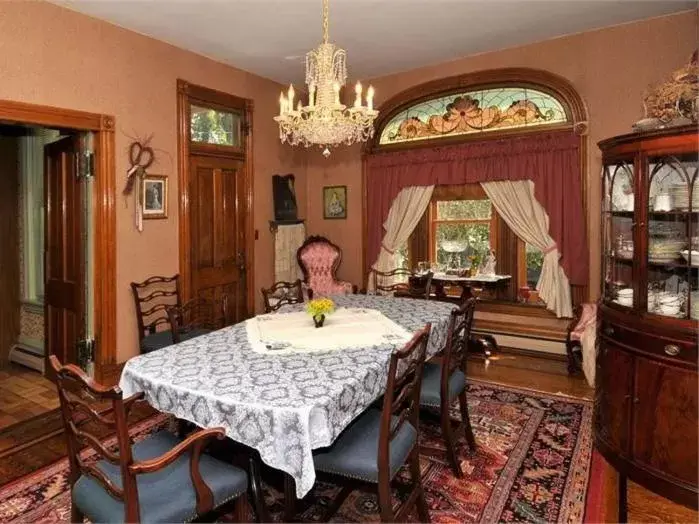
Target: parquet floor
x,y
24,394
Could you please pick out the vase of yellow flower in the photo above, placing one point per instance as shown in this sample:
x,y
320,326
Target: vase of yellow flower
x,y
318,308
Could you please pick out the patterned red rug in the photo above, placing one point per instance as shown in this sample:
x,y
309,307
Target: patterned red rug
x,y
532,464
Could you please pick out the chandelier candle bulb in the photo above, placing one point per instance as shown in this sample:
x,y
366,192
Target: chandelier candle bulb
x,y
311,95
282,105
291,97
299,106
358,92
370,98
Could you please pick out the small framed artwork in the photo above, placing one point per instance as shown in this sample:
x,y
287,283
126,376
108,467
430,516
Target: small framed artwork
x,y
335,202
154,193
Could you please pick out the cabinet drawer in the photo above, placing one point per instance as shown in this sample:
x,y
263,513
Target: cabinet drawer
x,y
681,351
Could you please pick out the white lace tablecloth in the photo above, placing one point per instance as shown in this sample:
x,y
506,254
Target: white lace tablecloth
x,y
282,405
284,333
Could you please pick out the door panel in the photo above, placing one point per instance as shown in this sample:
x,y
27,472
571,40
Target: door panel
x,y
614,373
665,419
217,232
63,261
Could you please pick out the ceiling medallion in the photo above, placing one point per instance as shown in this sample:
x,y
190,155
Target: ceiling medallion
x,y
325,121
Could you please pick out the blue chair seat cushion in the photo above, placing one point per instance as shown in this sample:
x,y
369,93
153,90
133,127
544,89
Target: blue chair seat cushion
x,y
166,495
355,452
162,339
431,378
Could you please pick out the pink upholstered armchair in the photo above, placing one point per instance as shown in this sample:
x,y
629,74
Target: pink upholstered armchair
x,y
319,259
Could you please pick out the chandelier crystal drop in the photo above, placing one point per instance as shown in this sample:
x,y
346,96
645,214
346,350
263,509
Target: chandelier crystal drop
x,y
325,121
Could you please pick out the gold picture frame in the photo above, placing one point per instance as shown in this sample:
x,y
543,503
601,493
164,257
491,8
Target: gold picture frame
x,y
335,202
154,195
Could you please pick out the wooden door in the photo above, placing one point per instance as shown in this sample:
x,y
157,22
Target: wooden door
x,y
665,419
63,256
613,396
217,232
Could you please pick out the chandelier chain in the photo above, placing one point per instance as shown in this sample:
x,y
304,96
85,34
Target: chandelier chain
x,y
326,23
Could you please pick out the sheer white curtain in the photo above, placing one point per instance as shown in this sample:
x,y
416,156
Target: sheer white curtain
x,y
405,213
516,204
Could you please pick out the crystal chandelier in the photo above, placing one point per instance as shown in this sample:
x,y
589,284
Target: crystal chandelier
x,y
325,121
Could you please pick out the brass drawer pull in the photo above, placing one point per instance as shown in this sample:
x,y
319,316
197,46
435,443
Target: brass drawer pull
x,y
672,349
609,331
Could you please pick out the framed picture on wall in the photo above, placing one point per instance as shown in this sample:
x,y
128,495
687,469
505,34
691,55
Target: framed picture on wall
x,y
335,202
154,194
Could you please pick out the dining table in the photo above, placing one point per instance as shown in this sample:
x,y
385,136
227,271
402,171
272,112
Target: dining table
x,y
278,384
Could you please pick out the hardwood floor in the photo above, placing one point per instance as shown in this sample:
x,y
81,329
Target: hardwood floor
x,y
551,376
24,394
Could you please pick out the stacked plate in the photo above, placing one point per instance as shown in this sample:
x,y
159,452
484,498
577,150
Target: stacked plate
x,y
664,250
679,195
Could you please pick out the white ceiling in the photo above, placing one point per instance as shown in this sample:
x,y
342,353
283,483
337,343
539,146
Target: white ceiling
x,y
271,37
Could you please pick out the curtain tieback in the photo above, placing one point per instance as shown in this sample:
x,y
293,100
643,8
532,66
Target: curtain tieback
x,y
552,247
390,251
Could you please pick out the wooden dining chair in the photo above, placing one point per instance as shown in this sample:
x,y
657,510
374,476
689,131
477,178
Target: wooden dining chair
x,y
152,297
445,381
159,479
390,282
419,286
377,444
196,317
281,294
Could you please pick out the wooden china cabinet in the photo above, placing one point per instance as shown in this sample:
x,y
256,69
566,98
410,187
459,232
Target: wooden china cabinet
x,y
645,420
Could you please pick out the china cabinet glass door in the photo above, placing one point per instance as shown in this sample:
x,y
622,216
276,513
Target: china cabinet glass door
x,y
673,245
619,203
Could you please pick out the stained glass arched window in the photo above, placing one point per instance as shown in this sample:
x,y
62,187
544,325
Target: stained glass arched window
x,y
474,111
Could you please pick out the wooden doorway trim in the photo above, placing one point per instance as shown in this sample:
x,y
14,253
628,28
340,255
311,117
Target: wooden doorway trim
x,y
103,210
186,93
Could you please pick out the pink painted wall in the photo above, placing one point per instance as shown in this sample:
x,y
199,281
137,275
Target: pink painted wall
x,y
56,57
610,68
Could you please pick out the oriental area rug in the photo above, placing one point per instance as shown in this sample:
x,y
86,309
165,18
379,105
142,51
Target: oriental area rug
x,y
532,464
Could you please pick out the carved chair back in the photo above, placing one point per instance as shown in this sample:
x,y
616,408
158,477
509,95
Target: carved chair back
x,y
197,314
456,347
282,293
152,297
419,286
87,406
401,402
83,403
389,282
319,259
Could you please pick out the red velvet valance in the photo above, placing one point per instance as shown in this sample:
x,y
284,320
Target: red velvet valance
x,y
550,160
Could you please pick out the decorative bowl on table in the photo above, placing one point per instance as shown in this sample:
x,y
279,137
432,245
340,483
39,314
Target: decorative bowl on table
x,y
318,308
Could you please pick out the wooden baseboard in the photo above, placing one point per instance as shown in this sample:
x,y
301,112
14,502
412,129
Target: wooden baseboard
x,y
499,327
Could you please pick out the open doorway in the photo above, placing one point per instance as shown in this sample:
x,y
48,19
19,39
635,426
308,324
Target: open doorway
x,y
45,265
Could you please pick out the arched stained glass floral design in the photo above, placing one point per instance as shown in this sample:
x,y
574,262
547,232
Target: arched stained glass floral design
x,y
477,111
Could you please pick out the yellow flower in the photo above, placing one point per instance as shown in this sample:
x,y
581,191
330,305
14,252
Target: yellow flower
x,y
320,306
